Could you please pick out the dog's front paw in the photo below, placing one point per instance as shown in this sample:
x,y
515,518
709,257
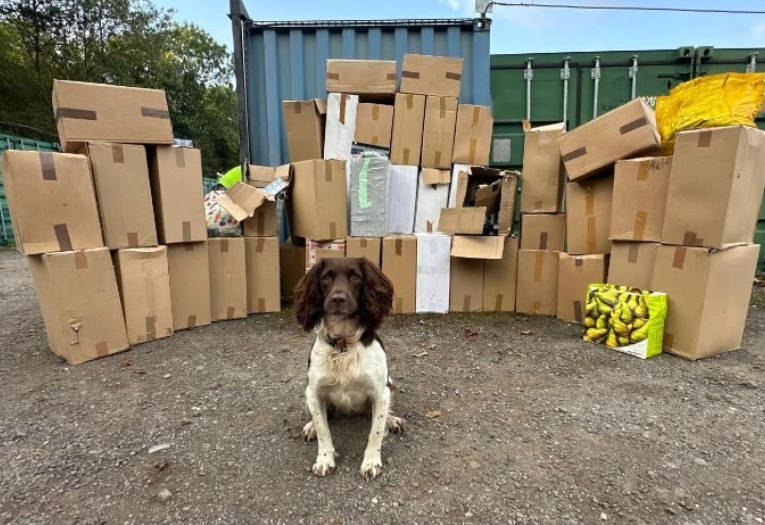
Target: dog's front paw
x,y
396,425
325,464
371,467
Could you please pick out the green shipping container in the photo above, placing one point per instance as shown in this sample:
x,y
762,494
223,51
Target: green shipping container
x,y
10,142
547,88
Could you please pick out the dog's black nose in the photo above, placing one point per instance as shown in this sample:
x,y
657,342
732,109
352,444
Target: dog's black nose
x,y
338,299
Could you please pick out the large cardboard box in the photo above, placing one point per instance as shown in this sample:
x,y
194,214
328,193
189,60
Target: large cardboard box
x,y
466,285
575,274
619,134
318,200
432,196
537,287
402,202
433,270
176,183
262,264
88,112
431,75
264,221
373,125
304,124
631,264
499,279
52,201
408,121
370,194
543,173
144,285
485,198
291,268
399,264
640,197
708,296
361,77
588,216
543,231
472,135
189,269
367,247
438,132
478,246
715,188
315,251
121,177
228,278
340,130
80,304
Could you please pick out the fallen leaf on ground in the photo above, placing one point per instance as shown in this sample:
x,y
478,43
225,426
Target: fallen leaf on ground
x,y
526,332
432,414
125,363
470,332
421,354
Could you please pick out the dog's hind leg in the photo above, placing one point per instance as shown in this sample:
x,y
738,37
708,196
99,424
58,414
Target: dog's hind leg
x,y
309,432
395,424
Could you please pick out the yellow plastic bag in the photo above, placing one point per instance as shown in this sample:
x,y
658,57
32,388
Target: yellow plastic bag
x,y
728,99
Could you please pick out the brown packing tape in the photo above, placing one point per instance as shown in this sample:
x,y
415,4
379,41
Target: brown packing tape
x,y
571,155
188,247
643,169
668,343
332,230
132,239
476,115
410,74
343,102
429,224
155,113
471,154
297,107
466,302
538,264
705,138
260,225
260,244
632,126
375,140
47,166
526,125
333,76
640,220
390,76
450,75
692,239
632,253
186,225
592,235
409,101
118,154
406,156
536,307
498,302
80,260
62,237
151,328
102,348
328,172
74,113
363,243
399,246
261,304
192,322
678,261
578,262
542,241
180,158
442,107
399,305
589,202
578,311
437,159
230,312
375,112
224,246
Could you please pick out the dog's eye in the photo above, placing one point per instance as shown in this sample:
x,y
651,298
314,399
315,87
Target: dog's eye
x,y
355,278
326,278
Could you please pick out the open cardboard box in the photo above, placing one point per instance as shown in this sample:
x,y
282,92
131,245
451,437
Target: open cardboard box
x,y
242,200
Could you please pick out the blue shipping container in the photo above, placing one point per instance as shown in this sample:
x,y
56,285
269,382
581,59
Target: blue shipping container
x,y
278,61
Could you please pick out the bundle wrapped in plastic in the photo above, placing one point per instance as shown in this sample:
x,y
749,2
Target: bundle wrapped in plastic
x,y
726,99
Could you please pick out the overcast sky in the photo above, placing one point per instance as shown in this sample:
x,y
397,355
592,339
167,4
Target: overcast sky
x,y
520,29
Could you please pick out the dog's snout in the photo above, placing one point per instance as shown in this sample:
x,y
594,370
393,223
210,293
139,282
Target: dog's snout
x,y
339,299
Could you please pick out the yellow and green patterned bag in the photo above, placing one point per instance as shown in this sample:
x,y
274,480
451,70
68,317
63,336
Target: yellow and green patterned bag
x,y
626,319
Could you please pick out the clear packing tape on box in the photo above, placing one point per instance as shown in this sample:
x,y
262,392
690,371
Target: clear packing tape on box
x,y
728,99
626,319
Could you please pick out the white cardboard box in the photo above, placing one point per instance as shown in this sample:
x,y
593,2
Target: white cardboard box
x,y
433,273
340,128
430,199
456,169
402,199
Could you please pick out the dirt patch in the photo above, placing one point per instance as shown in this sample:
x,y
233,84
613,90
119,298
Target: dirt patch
x,y
534,426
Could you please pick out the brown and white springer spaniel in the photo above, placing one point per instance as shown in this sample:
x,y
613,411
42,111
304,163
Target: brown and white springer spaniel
x,y
346,300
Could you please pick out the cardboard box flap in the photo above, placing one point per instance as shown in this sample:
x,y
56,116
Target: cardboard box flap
x,y
560,126
260,176
241,200
434,176
469,221
478,247
321,106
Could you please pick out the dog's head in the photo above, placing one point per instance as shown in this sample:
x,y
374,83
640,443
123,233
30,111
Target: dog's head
x,y
344,288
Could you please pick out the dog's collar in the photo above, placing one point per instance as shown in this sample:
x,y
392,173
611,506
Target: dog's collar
x,y
342,344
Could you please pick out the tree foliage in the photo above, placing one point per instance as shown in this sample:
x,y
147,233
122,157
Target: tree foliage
x,y
124,42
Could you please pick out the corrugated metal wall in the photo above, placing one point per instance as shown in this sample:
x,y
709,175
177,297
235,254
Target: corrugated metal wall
x,y
10,142
286,61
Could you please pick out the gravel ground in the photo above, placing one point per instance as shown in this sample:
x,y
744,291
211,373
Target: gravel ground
x,y
534,426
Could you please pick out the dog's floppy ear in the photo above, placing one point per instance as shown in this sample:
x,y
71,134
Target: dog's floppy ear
x,y
376,301
309,299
